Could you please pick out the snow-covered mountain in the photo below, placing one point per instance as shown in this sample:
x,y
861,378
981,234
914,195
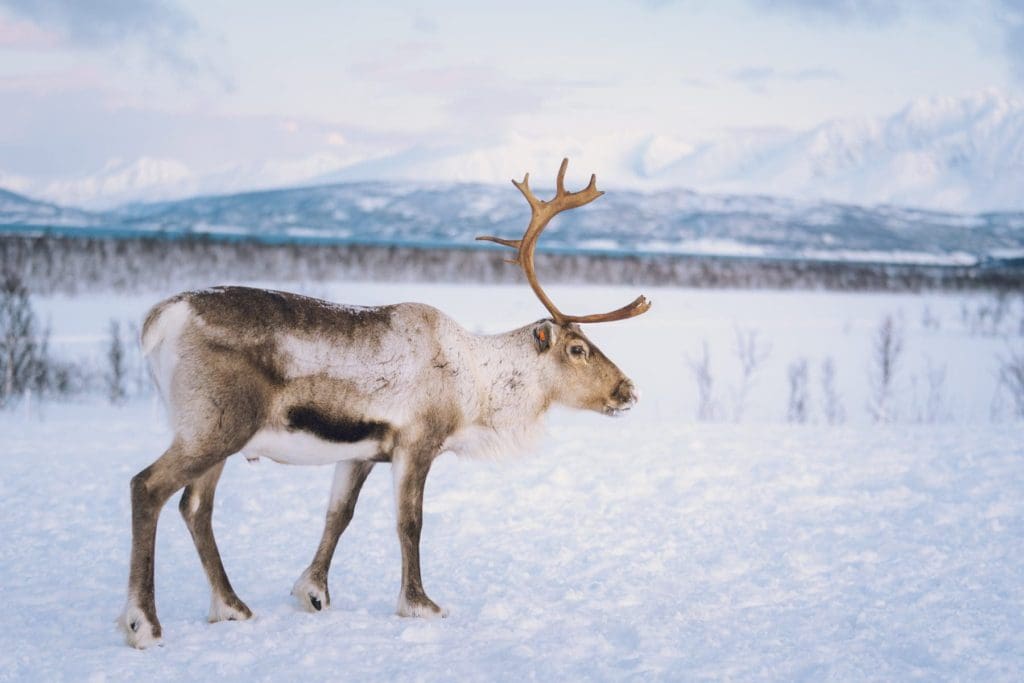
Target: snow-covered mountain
x,y
942,154
16,209
622,222
949,154
121,181
160,179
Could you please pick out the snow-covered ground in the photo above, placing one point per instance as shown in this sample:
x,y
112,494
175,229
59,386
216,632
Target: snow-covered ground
x,y
651,547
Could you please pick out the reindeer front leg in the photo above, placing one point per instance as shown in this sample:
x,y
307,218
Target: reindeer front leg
x,y
410,470
311,588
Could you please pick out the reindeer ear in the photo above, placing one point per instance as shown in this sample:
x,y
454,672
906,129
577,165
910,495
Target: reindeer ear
x,y
544,335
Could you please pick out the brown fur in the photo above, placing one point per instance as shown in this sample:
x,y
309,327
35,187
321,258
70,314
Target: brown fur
x,y
244,308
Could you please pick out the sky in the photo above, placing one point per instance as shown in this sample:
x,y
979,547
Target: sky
x,y
215,86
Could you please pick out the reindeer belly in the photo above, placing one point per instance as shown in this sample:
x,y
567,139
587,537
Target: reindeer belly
x,y
309,437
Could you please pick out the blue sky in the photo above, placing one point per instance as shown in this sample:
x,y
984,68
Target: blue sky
x,y
215,84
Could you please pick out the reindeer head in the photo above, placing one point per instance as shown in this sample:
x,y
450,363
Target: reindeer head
x,y
583,376
579,374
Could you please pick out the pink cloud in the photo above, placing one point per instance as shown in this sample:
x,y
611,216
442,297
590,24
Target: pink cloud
x,y
26,35
74,79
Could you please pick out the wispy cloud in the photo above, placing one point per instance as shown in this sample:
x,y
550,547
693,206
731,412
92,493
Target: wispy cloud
x,y
1007,15
61,132
160,29
761,76
866,11
22,34
473,97
1011,16
424,23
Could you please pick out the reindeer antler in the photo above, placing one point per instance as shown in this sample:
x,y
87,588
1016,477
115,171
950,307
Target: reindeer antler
x,y
542,213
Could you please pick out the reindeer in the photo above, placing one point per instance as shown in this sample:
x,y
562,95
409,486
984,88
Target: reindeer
x,y
307,382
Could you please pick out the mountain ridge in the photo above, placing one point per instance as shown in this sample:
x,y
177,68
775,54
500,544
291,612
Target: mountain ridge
x,y
621,223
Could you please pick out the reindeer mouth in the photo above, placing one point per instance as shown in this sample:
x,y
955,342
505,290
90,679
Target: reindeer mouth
x,y
619,410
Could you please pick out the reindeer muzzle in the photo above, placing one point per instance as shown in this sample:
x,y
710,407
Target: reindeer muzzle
x,y
623,398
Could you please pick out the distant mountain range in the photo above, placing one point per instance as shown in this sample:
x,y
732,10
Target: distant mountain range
x,y
948,154
620,223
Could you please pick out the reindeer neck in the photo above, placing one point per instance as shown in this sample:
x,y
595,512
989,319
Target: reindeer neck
x,y
513,387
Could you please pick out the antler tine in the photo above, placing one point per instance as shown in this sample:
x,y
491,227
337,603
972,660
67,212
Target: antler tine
x,y
560,182
639,305
541,212
524,187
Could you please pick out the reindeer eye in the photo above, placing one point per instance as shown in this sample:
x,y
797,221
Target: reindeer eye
x,y
578,350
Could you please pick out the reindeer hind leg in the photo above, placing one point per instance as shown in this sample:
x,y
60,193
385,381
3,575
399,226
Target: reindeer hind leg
x,y
221,424
150,489
196,507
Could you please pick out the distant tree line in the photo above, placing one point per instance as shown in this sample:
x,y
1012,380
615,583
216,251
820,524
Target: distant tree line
x,y
52,264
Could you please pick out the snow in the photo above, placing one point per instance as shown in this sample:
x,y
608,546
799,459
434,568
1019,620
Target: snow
x,y
651,547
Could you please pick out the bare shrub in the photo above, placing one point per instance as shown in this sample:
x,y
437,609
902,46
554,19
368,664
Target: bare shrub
x,y
929,320
935,403
931,407
887,354
115,377
1011,379
831,404
700,367
24,348
141,381
796,410
751,352
988,316
1000,309
68,378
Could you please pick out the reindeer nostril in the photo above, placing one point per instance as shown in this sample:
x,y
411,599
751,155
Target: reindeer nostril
x,y
626,392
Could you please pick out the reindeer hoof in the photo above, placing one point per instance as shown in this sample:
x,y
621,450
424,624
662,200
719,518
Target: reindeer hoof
x,y
424,608
311,596
231,609
137,629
